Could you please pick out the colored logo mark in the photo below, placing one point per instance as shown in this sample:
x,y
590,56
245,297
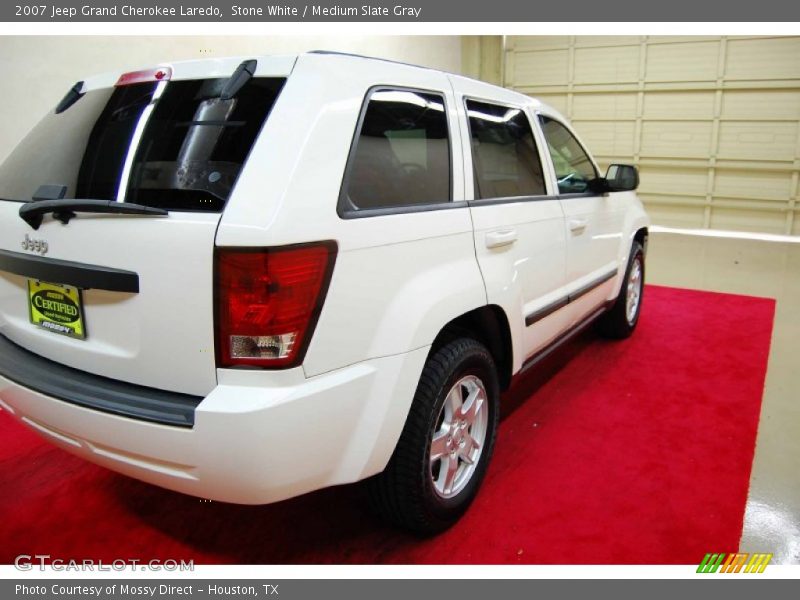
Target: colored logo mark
x,y
740,562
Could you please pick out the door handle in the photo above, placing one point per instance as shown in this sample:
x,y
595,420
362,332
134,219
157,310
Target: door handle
x,y
578,225
497,239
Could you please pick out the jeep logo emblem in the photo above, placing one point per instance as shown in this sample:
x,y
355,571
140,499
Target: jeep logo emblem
x,y
39,246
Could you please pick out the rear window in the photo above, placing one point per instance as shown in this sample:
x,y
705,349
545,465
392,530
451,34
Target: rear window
x,y
504,154
191,145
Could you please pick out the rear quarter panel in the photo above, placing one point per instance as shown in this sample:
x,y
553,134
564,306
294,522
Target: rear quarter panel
x,y
398,278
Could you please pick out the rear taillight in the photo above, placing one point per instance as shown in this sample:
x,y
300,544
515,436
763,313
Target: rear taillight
x,y
268,301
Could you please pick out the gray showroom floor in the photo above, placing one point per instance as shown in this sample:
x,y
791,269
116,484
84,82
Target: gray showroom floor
x,y
758,268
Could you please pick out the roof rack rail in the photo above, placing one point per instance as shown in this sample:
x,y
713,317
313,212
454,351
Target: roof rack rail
x,y
352,55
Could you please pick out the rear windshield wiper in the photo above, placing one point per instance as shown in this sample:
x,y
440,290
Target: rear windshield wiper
x,y
64,210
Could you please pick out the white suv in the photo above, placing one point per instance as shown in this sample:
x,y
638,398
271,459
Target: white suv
x,y
249,279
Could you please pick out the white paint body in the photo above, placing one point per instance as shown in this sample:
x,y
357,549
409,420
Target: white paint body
x,y
262,436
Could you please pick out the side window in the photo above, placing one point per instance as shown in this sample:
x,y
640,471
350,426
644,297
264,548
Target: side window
x,y
401,155
504,155
574,168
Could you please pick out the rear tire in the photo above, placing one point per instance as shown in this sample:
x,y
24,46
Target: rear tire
x,y
446,444
620,321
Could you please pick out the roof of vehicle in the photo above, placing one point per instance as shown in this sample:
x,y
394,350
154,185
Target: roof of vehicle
x,y
522,97
364,56
282,65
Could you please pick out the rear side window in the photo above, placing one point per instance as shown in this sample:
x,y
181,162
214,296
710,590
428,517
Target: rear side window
x,y
191,150
574,168
401,155
504,155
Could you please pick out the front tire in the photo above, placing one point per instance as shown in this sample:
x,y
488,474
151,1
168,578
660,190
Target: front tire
x,y
446,444
620,321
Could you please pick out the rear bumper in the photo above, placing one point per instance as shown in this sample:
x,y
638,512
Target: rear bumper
x,y
92,391
258,437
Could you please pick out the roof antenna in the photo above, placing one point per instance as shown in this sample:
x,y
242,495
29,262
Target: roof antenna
x,y
243,73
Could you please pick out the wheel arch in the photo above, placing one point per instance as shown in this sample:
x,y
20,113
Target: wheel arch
x,y
489,325
642,235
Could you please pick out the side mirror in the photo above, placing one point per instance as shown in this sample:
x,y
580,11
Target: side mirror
x,y
621,178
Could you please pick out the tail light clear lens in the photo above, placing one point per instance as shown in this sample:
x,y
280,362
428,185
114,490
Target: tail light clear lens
x,y
268,301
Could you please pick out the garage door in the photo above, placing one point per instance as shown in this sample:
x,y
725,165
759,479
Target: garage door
x,y
712,122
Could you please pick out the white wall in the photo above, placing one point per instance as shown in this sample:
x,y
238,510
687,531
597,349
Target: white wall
x,y
37,71
712,122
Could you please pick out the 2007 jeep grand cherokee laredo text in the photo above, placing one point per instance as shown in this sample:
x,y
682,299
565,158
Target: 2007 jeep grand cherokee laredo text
x,y
249,279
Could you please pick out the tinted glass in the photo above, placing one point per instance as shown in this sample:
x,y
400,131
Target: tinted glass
x,y
83,148
195,143
574,169
504,155
402,152
191,151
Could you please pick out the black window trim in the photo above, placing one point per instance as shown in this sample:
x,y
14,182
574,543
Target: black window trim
x,y
519,199
345,207
505,199
539,115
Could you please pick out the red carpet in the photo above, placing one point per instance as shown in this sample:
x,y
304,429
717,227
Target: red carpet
x,y
612,452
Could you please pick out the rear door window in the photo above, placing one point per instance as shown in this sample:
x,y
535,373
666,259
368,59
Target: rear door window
x,y
192,146
401,156
505,158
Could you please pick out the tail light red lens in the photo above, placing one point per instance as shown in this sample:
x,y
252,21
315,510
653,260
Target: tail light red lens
x,y
268,301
